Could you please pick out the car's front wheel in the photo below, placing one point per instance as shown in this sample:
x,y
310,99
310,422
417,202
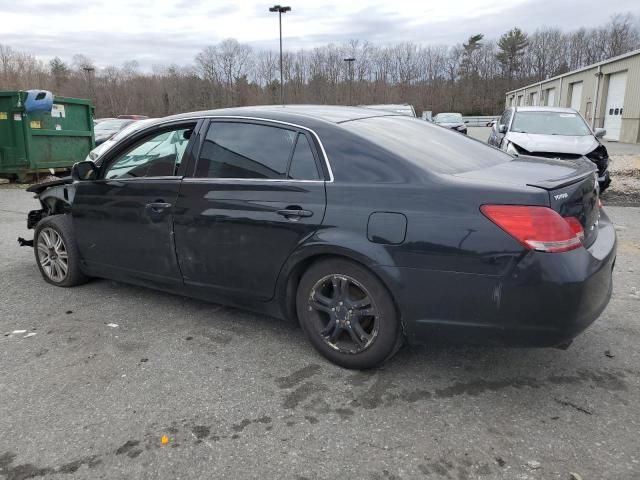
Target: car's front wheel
x,y
347,314
56,252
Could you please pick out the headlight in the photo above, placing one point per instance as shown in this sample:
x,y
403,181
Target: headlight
x,y
512,149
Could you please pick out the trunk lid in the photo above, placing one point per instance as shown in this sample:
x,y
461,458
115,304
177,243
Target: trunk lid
x,y
572,186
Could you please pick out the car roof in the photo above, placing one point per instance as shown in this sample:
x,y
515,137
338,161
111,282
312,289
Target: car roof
x,y
545,109
303,115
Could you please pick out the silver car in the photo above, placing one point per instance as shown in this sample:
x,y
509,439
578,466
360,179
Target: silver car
x,y
551,132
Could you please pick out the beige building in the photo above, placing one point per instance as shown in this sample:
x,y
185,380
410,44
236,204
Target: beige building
x,y
607,94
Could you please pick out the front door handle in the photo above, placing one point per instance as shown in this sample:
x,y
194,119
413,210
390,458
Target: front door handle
x,y
158,206
294,213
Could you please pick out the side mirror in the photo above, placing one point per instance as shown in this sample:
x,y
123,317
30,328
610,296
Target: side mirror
x,y
502,128
85,170
600,132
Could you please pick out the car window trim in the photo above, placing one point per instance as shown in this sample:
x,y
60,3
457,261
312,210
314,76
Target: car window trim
x,y
189,176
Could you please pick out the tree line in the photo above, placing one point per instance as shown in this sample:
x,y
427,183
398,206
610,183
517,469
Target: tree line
x,y
471,77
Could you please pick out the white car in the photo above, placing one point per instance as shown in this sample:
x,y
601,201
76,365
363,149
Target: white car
x,y
551,132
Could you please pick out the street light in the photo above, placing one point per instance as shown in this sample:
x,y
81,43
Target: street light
x,y
280,10
350,61
89,71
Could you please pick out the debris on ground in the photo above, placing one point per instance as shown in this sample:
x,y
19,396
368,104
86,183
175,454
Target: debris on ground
x,y
25,243
575,476
164,440
607,353
113,325
30,334
625,181
533,464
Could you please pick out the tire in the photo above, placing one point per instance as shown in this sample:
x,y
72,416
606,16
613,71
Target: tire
x,y
54,247
347,314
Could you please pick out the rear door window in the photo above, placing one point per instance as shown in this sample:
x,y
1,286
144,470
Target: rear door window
x,y
245,150
303,163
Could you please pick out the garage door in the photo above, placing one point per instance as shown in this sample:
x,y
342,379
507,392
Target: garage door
x,y
534,99
576,95
615,105
551,97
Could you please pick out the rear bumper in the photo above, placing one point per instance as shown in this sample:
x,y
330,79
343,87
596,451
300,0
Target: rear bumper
x,y
544,300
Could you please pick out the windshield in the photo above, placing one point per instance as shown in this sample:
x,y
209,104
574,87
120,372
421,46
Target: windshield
x,y
111,125
435,149
550,123
448,118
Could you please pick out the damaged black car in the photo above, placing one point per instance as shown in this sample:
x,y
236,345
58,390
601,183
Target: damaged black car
x,y
370,228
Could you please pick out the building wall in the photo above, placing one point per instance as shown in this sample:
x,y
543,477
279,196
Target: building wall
x,y
630,131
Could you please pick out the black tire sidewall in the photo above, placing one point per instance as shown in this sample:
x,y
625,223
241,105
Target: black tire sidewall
x,y
63,225
386,342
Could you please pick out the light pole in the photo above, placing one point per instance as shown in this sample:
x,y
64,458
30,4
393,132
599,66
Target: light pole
x,y
280,9
350,61
89,71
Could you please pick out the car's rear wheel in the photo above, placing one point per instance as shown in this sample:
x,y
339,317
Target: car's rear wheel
x,y
56,252
347,314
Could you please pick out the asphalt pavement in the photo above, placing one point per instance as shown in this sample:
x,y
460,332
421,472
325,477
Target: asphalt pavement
x,y
112,381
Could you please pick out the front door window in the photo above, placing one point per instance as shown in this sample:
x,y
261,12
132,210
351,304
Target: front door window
x,y
156,156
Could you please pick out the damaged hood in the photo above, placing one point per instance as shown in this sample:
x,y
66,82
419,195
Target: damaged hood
x,y
579,145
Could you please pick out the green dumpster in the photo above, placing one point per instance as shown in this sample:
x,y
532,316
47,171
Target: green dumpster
x,y
38,142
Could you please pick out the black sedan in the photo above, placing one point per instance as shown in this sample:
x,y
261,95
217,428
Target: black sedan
x,y
370,228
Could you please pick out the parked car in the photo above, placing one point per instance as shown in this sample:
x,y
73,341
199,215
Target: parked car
x,y
452,121
107,144
369,228
551,132
106,129
402,109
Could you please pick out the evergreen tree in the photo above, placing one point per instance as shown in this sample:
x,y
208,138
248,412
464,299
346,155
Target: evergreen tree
x,y
512,46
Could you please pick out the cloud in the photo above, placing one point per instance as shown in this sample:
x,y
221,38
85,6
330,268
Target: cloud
x,y
174,31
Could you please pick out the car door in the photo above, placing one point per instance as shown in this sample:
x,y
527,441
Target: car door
x,y
256,193
123,219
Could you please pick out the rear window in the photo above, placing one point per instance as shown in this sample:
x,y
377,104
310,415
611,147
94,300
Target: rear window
x,y
431,147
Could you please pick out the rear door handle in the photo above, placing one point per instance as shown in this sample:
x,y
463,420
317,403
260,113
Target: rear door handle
x,y
294,213
158,206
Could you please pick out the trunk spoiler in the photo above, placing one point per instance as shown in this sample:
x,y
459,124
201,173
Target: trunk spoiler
x,y
582,171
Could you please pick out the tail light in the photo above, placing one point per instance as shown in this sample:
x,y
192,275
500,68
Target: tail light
x,y
537,228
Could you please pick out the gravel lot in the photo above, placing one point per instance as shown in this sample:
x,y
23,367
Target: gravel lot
x,y
242,396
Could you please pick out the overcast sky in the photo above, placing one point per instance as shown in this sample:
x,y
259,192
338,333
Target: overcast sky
x,y
174,31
